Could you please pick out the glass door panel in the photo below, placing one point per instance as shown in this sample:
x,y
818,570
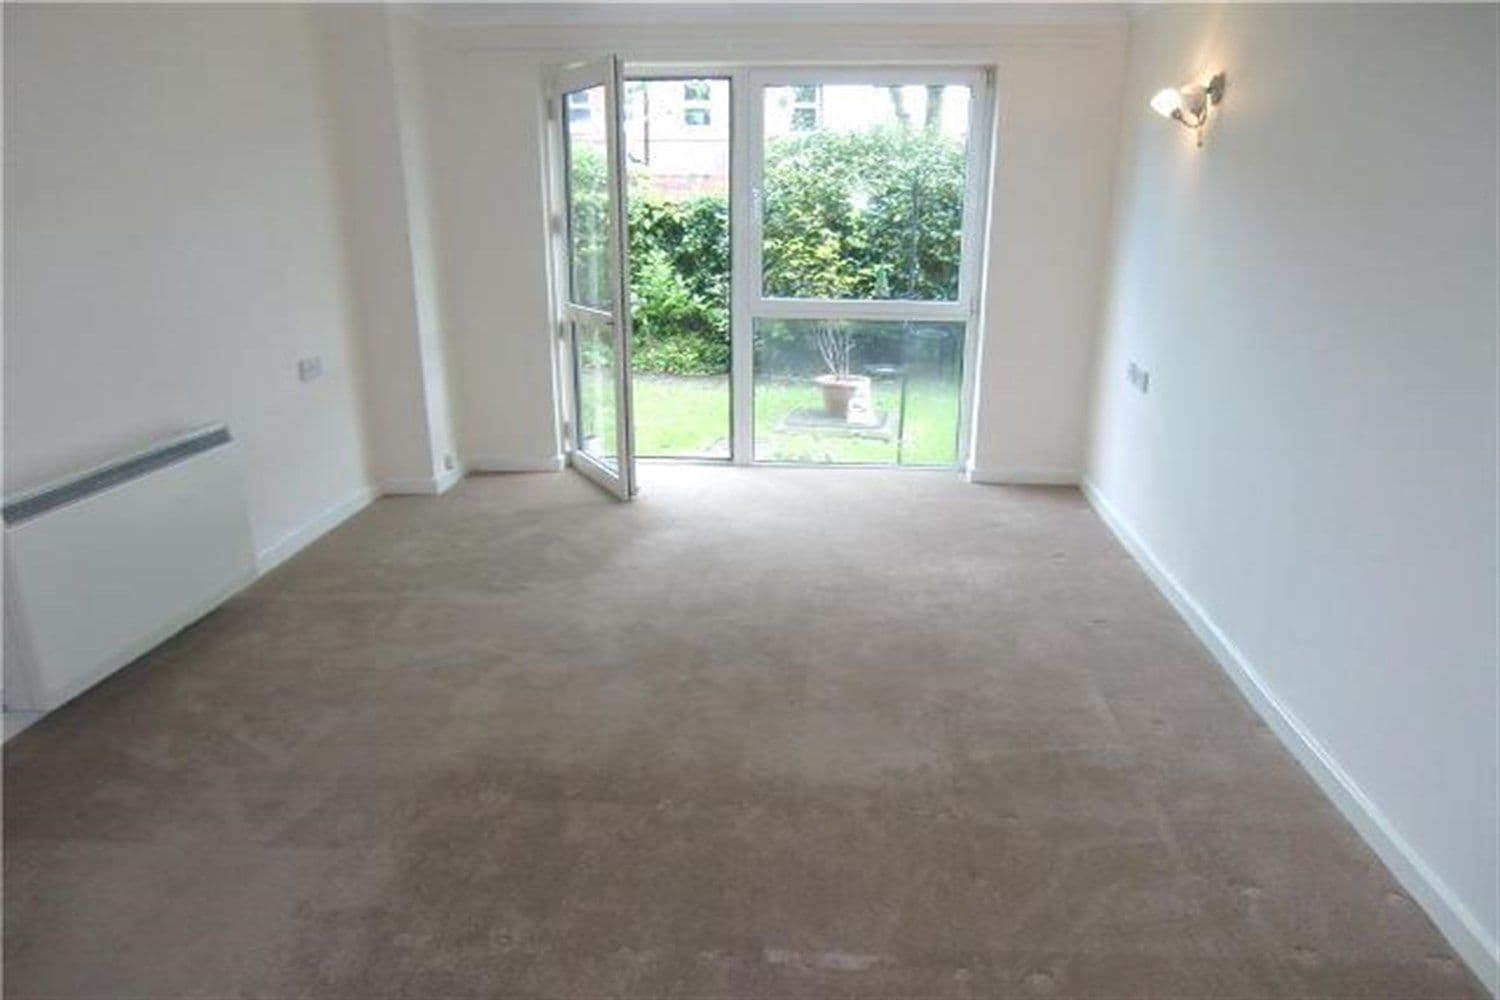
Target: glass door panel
x,y
598,434
590,240
595,307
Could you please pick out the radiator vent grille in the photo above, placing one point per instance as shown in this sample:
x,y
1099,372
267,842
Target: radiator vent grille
x,y
85,484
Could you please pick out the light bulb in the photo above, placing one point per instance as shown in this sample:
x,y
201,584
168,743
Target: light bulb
x,y
1167,102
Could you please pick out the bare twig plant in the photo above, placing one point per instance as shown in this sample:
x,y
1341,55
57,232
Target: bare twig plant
x,y
836,345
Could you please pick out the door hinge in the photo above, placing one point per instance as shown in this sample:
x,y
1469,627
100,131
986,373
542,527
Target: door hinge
x,y
555,223
552,109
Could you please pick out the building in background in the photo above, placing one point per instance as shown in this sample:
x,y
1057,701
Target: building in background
x,y
677,131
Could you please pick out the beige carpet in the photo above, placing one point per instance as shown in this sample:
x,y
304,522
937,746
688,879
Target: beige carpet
x,y
762,733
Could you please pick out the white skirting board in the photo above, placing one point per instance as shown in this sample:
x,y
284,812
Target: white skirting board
x,y
1480,951
1016,475
429,486
309,531
548,463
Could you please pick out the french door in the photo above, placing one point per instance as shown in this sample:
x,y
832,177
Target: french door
x,y
594,324
851,261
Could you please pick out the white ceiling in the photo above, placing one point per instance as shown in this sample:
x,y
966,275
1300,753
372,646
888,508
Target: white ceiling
x,y
675,12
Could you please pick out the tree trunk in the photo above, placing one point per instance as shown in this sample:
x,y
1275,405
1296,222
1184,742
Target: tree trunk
x,y
898,105
934,106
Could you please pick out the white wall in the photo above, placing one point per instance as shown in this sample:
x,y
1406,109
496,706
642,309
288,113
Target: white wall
x,y
173,244
377,85
1058,97
486,123
1313,471
1049,224
409,47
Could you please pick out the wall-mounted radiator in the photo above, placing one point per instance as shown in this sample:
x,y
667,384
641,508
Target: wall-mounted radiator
x,y
103,565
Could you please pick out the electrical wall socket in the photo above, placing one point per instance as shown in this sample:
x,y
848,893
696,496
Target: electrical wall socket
x,y
309,368
1138,377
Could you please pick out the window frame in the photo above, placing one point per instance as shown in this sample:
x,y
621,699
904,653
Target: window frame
x,y
751,301
745,128
975,159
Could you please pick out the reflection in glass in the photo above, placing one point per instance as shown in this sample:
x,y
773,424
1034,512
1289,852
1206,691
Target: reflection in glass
x,y
589,219
863,192
858,391
594,363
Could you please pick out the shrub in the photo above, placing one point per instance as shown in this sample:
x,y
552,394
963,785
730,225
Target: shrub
x,y
868,215
679,285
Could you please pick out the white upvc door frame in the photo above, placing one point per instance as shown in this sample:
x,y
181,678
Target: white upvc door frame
x,y
570,315
746,165
743,278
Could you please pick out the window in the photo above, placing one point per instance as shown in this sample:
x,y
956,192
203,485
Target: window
x,y
805,108
697,103
863,191
895,399
859,313
579,108
821,311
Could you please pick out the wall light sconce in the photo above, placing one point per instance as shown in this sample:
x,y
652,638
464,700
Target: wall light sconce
x,y
1188,105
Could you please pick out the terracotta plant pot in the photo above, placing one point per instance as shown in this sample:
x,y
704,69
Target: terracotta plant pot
x,y
837,392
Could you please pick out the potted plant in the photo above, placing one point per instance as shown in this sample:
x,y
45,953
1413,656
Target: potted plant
x,y
845,396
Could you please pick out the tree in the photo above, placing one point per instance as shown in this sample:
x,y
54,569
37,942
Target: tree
x,y
934,117
898,107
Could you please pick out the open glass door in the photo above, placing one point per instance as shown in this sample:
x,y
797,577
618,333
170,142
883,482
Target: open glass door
x,y
595,302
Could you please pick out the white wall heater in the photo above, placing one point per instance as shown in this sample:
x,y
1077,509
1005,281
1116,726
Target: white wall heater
x,y
105,564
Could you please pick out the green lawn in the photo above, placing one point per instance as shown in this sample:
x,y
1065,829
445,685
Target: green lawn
x,y
689,417
681,416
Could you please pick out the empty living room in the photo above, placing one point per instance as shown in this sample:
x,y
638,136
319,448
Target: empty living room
x,y
720,500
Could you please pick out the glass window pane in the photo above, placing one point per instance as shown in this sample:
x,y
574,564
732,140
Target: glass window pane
x,y
594,346
858,391
863,191
589,219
